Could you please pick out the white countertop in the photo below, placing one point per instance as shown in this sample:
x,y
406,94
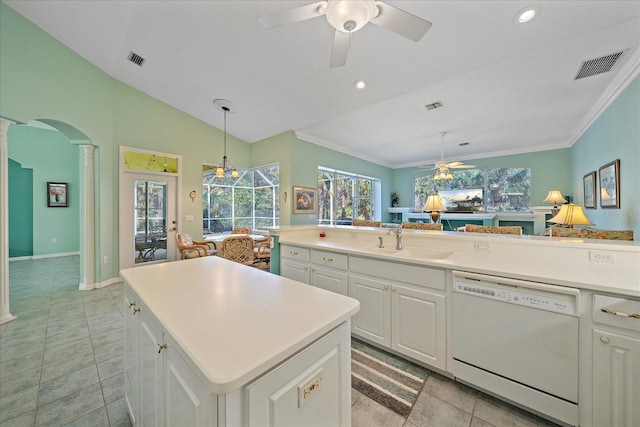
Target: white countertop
x,y
562,262
235,322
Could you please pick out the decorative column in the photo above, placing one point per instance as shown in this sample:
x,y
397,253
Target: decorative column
x,y
87,215
5,315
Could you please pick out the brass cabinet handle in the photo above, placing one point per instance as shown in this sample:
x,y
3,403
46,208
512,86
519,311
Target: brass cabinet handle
x,y
620,313
136,311
132,304
327,259
293,253
162,347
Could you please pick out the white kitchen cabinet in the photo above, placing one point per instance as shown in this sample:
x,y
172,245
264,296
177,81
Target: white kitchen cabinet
x,y
295,263
616,363
329,271
160,388
402,317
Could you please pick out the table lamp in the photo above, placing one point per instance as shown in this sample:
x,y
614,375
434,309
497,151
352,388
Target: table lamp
x,y
571,215
434,204
556,197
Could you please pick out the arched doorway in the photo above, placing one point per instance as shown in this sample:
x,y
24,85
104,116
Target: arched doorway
x,y
86,203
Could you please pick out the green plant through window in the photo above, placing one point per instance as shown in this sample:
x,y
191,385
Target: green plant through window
x,y
343,197
504,189
252,200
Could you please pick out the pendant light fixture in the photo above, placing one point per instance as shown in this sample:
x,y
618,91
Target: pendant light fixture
x,y
226,107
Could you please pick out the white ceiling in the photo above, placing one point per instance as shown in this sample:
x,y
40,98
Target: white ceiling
x,y
505,88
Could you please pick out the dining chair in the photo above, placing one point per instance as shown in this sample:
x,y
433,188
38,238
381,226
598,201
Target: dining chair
x,y
238,249
262,255
190,248
363,223
507,229
241,230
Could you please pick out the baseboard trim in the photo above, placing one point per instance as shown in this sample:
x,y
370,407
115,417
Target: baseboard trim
x,y
31,257
109,282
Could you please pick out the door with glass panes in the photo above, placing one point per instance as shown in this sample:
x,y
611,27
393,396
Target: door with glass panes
x,y
147,219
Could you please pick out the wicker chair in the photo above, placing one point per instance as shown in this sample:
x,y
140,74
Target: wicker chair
x,y
421,226
238,249
262,255
585,233
362,223
509,229
241,230
190,248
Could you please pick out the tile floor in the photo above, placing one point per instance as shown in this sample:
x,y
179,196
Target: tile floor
x,y
61,363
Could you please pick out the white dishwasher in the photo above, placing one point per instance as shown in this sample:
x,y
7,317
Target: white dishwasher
x,y
519,340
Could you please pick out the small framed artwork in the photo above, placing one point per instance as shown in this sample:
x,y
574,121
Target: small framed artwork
x,y
304,200
57,195
610,185
589,185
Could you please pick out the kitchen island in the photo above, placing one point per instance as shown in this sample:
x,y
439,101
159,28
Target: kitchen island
x,y
212,342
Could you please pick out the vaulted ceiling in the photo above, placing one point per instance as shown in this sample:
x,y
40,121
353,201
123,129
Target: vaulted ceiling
x,y
504,87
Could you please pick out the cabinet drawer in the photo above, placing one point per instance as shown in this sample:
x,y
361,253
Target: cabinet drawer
x,y
329,259
616,305
294,252
421,276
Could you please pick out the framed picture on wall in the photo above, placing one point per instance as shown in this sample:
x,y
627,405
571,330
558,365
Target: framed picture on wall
x,y
57,195
610,185
304,200
589,185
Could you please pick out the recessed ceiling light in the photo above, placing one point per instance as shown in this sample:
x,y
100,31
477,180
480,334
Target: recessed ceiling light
x,y
526,15
359,84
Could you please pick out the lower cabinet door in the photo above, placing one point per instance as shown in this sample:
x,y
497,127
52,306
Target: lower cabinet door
x,y
187,400
302,391
131,391
373,320
331,280
294,270
616,389
418,325
150,337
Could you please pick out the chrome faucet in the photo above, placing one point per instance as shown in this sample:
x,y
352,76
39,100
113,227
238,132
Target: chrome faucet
x,y
381,245
398,232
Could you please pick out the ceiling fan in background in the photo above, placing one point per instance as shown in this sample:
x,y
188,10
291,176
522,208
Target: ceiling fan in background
x,y
347,17
442,167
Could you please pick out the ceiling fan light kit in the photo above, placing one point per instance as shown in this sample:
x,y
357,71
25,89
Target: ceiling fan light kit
x,y
348,16
442,167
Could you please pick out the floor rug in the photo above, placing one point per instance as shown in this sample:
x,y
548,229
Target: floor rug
x,y
388,379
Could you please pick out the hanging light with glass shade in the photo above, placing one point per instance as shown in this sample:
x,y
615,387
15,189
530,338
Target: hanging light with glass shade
x,y
222,170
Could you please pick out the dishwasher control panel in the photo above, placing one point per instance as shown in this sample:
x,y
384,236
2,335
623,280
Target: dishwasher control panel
x,y
544,300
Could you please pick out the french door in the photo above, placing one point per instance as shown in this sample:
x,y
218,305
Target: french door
x,y
148,215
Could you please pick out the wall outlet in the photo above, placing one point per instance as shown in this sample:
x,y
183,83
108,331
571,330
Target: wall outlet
x,y
602,256
53,241
105,260
309,389
482,246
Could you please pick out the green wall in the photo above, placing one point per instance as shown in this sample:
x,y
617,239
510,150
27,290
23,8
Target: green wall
x,y
549,169
41,78
52,158
20,210
614,135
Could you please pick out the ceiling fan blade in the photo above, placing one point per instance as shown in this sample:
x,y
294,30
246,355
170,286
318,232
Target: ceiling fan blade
x,y
294,15
454,164
401,22
462,166
340,49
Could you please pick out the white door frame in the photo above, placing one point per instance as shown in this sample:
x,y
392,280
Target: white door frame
x,y
124,241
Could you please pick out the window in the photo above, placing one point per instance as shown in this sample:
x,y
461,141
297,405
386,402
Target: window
x,y
504,189
343,197
248,201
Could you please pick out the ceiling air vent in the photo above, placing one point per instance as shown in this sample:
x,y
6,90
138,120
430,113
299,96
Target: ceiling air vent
x,y
135,58
600,65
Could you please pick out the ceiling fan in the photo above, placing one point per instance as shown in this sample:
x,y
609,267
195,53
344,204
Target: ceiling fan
x,y
348,16
443,167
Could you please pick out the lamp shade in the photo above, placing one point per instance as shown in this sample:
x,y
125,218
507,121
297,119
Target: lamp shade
x,y
571,215
434,203
555,196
